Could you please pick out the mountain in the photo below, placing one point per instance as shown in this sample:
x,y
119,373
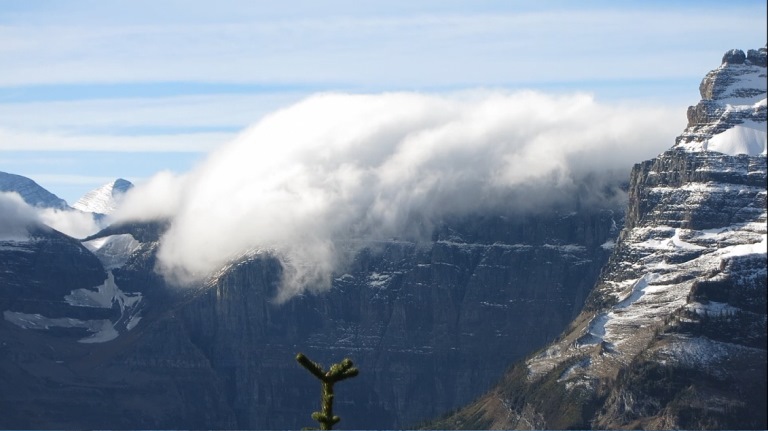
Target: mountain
x,y
674,333
430,326
105,199
414,317
638,298
30,191
94,336
67,325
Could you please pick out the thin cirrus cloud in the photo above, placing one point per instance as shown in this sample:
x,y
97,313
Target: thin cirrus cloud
x,y
222,111
420,48
306,179
181,142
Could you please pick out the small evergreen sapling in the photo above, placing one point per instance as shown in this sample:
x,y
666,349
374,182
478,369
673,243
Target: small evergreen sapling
x,y
337,372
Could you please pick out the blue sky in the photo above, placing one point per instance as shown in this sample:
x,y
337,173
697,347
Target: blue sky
x,y
94,90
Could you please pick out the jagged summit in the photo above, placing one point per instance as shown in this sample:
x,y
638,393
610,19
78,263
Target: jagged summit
x,y
32,193
105,199
731,116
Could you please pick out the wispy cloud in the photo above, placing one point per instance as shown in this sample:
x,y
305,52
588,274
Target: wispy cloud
x,y
81,116
182,142
17,217
413,49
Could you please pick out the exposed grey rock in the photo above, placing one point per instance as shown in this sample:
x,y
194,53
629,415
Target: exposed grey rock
x,y
729,97
430,326
757,57
734,56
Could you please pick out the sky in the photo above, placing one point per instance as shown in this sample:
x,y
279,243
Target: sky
x,y
95,90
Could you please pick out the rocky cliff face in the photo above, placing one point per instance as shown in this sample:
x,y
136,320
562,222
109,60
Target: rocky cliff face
x,y
430,325
674,333
733,101
73,351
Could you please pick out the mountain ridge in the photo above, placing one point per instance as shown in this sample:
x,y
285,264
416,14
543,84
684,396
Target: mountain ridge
x,y
673,335
105,199
32,193
651,317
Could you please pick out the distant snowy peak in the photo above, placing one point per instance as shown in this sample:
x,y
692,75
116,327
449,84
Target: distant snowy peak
x,y
731,117
31,192
105,199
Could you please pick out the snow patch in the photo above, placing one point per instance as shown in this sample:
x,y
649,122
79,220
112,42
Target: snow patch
x,y
103,330
673,243
133,321
748,138
113,251
566,248
745,249
712,308
105,199
378,280
105,295
106,332
595,330
638,290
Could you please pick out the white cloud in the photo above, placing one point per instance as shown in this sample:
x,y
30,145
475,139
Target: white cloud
x,y
74,223
158,198
16,217
335,167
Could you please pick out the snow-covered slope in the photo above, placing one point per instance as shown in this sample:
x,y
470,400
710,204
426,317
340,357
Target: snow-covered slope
x,y
32,193
69,294
113,251
105,199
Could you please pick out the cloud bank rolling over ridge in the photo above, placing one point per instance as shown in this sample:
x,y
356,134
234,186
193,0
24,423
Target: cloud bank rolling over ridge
x,y
336,167
17,217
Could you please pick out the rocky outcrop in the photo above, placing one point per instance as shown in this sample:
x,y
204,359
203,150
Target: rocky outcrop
x,y
695,191
757,56
673,335
731,95
734,56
